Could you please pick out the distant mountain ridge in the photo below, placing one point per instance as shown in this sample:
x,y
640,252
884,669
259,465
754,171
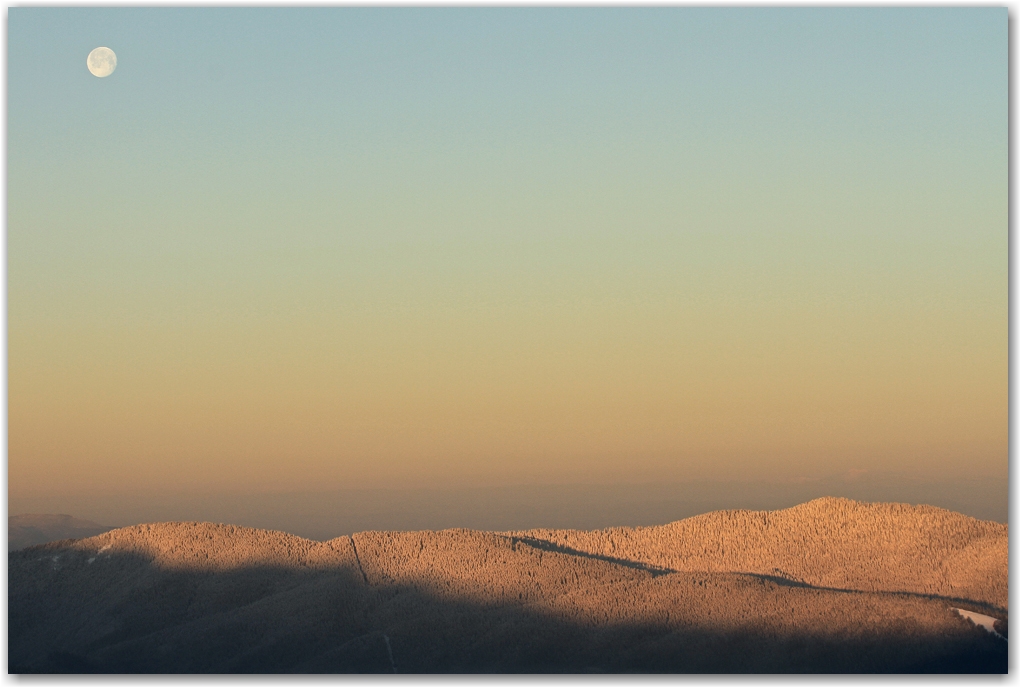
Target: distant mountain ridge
x,y
829,586
33,529
828,542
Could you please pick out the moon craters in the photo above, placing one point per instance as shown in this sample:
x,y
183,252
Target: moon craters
x,y
102,61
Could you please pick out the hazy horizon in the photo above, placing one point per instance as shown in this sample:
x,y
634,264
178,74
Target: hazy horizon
x,y
316,250
325,514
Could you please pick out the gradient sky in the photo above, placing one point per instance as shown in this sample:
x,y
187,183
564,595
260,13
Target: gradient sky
x,y
346,248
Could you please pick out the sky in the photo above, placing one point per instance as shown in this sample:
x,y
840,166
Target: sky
x,y
286,250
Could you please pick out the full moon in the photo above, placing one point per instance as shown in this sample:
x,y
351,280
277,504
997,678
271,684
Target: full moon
x,y
102,62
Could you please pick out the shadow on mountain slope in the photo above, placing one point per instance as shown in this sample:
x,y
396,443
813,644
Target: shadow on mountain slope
x,y
79,607
784,581
546,545
828,543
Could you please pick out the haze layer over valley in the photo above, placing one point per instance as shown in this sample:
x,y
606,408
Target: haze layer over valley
x,y
832,585
326,514
30,529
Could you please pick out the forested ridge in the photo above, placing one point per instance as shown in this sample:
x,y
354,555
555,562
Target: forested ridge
x,y
829,542
829,586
